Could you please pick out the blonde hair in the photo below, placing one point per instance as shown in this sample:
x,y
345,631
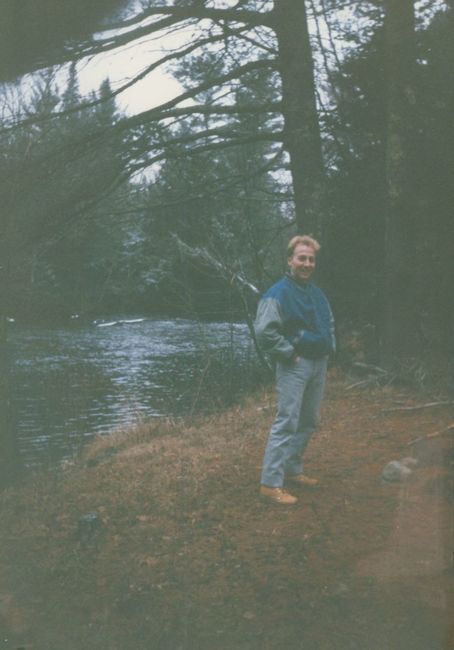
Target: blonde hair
x,y
305,240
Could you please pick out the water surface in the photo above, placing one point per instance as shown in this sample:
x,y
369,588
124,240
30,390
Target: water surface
x,y
70,383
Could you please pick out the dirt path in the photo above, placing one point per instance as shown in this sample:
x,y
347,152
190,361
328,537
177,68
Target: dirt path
x,y
186,557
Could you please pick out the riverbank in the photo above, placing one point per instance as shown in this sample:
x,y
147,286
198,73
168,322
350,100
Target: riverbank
x,y
156,538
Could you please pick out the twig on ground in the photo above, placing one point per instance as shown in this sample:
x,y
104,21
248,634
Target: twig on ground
x,y
417,407
363,382
433,434
376,375
370,368
375,380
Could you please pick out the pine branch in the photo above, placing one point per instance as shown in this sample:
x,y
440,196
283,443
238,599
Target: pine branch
x,y
201,192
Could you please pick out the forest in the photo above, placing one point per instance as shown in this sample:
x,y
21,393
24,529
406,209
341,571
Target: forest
x,y
329,117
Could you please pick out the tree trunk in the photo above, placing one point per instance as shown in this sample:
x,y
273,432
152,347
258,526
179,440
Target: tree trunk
x,y
9,453
302,130
400,327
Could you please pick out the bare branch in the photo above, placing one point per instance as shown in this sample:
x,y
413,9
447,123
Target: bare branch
x,y
173,16
95,102
201,109
205,257
248,16
158,112
215,146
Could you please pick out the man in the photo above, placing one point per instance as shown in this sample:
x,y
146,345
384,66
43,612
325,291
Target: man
x,y
295,326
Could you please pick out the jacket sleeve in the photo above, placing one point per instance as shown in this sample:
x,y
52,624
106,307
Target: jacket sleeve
x,y
268,329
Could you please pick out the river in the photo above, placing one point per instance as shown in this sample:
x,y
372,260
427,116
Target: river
x,y
71,383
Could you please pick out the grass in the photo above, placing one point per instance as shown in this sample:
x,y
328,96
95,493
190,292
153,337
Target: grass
x,y
180,553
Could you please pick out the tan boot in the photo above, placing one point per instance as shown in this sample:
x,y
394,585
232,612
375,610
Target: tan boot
x,y
277,495
302,479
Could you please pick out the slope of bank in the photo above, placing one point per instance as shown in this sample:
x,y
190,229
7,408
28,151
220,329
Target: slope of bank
x,y
156,538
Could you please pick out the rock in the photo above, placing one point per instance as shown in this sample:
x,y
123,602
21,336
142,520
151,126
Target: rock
x,y
395,471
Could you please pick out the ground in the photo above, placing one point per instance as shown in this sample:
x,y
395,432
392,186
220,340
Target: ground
x,y
156,538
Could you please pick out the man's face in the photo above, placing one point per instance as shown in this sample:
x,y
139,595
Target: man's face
x,y
302,262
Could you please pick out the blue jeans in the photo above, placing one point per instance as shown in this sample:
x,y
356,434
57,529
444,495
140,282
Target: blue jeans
x,y
300,388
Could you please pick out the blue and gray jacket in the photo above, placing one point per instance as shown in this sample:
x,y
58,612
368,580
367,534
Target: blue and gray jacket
x,y
295,319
